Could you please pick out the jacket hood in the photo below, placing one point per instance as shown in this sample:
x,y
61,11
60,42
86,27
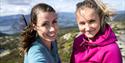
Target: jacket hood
x,y
101,39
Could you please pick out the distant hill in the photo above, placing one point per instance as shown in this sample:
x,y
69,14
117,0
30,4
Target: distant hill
x,y
66,19
2,34
120,16
11,24
15,23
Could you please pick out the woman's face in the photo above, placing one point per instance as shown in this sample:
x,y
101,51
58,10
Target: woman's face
x,y
46,25
88,22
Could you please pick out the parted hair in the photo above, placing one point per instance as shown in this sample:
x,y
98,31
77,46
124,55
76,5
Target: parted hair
x,y
28,36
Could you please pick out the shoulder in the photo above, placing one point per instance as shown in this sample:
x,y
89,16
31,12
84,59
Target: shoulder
x,y
36,47
78,40
112,50
112,47
112,54
36,53
78,37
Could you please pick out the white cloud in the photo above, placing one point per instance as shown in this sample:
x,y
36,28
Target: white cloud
x,y
115,4
13,10
10,7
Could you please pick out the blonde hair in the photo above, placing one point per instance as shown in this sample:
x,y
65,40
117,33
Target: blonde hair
x,y
100,9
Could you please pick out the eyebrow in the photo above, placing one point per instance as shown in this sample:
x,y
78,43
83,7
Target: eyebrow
x,y
91,20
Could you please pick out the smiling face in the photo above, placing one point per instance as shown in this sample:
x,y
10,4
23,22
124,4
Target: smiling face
x,y
46,25
88,22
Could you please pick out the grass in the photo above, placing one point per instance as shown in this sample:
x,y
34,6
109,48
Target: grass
x,y
65,46
13,57
12,41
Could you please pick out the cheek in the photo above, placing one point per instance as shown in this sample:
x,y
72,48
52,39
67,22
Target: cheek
x,y
56,28
81,28
42,31
96,27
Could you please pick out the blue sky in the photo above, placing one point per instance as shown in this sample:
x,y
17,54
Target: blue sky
x,y
12,7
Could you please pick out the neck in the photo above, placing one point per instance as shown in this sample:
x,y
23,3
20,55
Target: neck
x,y
47,44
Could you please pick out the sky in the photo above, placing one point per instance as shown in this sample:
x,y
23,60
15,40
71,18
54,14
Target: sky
x,y
13,7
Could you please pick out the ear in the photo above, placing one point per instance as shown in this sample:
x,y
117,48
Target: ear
x,y
34,27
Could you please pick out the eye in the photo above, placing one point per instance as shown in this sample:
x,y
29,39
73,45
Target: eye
x,y
45,23
82,23
92,21
55,21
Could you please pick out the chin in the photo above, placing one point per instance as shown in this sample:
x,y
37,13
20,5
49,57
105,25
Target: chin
x,y
52,39
89,36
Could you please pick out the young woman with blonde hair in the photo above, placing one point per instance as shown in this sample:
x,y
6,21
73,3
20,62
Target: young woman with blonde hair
x,y
96,42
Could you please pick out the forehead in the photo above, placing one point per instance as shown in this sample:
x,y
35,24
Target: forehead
x,y
46,15
86,13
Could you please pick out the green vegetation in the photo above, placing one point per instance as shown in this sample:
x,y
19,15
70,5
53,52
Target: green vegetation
x,y
10,42
65,45
65,41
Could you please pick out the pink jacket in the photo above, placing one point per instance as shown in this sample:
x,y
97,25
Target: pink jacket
x,y
103,49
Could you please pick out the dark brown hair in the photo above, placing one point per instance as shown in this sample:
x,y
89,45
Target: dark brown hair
x,y
29,35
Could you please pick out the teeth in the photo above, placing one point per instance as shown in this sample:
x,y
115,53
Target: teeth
x,y
51,35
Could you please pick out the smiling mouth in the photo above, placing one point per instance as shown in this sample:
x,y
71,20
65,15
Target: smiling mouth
x,y
89,33
51,35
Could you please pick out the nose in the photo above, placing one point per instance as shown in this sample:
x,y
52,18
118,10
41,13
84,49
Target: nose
x,y
52,28
87,27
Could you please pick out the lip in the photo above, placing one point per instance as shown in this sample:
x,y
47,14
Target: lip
x,y
51,35
89,32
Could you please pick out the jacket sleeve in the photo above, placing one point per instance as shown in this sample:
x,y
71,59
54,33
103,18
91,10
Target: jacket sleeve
x,y
36,55
113,55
